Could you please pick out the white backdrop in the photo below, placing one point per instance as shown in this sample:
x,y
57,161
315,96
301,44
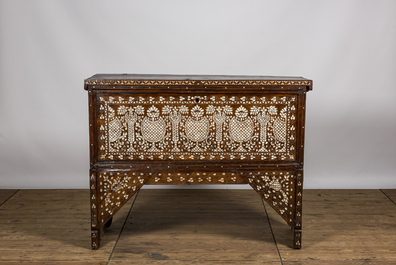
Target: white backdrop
x,y
47,49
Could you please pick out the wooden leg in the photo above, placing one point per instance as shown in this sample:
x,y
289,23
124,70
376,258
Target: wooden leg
x,y
95,229
96,236
298,210
95,239
282,190
110,190
297,239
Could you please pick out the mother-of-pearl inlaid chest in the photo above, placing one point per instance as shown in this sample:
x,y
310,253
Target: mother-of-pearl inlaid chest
x,y
196,129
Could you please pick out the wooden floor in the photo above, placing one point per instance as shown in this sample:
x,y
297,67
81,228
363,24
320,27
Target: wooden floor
x,y
352,227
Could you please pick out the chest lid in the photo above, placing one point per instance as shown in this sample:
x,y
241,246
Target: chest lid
x,y
118,81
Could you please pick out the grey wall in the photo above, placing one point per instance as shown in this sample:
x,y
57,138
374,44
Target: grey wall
x,y
47,49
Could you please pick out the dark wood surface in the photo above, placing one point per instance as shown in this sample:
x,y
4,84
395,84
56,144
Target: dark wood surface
x,y
342,227
195,82
192,77
391,193
6,194
189,130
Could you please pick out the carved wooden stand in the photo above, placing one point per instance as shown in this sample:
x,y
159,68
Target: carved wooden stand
x,y
162,129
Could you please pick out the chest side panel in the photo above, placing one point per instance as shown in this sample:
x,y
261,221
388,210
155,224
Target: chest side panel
x,y
218,127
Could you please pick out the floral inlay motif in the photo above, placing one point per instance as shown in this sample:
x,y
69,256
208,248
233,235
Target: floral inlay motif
x,y
197,127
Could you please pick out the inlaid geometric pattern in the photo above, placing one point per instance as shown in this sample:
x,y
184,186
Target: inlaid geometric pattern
x,y
195,177
134,82
114,189
197,127
277,187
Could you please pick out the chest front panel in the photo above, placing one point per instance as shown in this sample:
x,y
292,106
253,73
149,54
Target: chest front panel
x,y
207,127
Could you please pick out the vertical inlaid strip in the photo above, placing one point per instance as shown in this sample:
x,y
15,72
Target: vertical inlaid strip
x,y
298,212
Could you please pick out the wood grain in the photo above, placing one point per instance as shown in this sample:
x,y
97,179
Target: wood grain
x,y
58,262
342,225
187,262
391,193
5,194
197,225
339,262
52,225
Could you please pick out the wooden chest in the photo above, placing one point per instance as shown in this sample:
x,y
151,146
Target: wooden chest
x,y
187,130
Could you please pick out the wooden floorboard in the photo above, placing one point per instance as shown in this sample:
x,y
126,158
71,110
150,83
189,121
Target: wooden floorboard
x,y
53,226
338,262
203,225
340,227
5,194
182,262
56,262
391,194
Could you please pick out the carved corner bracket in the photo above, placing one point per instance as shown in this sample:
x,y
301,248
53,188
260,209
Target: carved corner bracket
x,y
282,190
109,191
